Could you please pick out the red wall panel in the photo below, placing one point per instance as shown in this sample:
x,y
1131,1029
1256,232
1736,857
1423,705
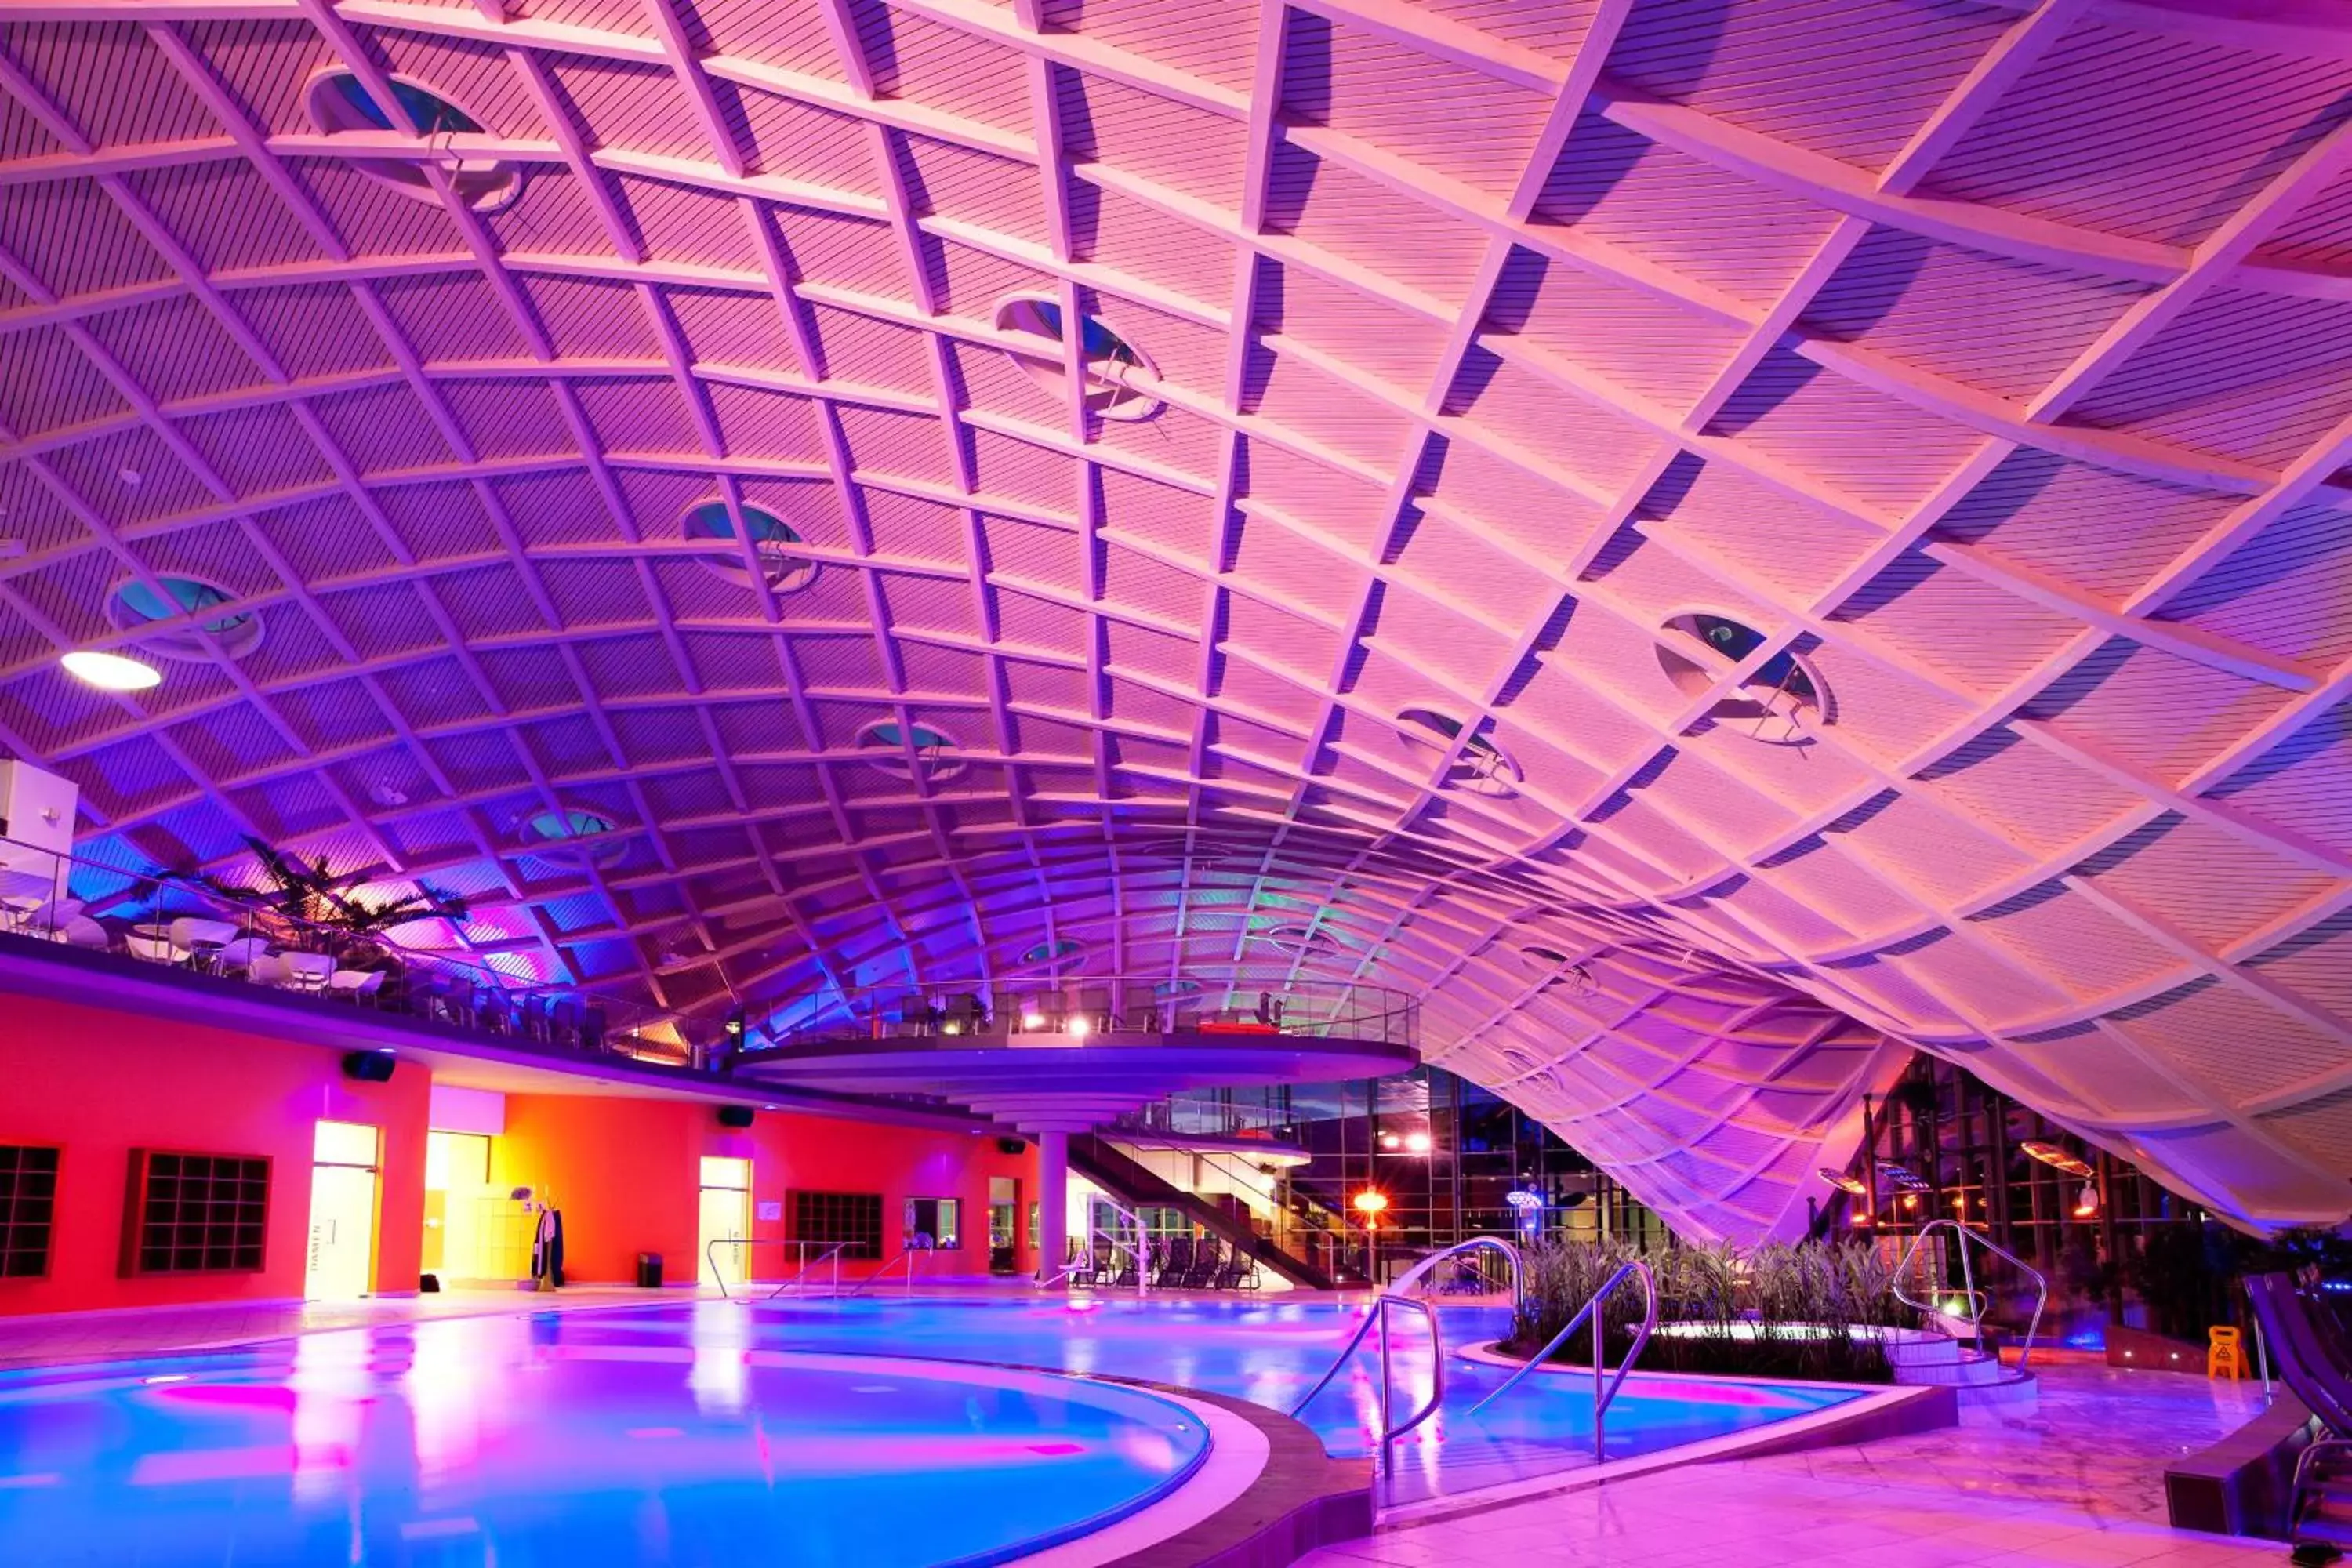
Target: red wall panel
x,y
98,1084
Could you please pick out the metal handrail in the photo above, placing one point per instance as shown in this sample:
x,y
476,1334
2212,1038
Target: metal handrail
x,y
1141,1251
1476,1244
1602,1397
1379,1314
1978,1302
832,1252
906,1255
971,1007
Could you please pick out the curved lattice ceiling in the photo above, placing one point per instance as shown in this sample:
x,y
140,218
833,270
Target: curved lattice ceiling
x,y
1829,516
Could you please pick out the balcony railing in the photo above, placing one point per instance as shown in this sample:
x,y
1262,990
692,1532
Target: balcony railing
x,y
147,920
1097,1005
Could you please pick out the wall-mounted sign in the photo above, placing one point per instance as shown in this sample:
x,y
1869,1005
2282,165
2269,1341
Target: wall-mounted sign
x,y
773,1209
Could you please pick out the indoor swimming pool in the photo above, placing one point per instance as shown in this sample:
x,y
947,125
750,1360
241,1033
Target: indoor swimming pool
x,y
1271,1353
672,1435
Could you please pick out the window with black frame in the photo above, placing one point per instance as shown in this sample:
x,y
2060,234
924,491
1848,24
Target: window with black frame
x,y
28,1191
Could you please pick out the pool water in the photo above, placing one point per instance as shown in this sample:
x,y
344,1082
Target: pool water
x,y
683,1435
1271,1353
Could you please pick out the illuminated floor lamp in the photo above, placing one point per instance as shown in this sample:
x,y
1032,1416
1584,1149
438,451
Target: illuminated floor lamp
x,y
1372,1204
1529,1207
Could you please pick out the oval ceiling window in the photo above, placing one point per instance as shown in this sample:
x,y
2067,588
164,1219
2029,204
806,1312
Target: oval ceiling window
x,y
934,750
1776,701
1306,942
574,836
1483,768
772,544
1056,951
184,611
1109,358
339,103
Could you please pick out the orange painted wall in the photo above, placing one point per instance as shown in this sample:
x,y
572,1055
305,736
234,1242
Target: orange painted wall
x,y
625,1173
98,1084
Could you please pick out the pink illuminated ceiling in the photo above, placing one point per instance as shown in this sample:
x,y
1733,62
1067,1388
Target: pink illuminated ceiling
x,y
1985,369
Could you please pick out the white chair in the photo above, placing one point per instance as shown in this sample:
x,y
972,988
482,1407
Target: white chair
x,y
266,969
154,949
357,984
52,917
239,954
307,971
196,941
83,932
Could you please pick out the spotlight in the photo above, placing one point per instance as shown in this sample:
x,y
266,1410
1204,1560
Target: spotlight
x,y
111,671
1032,1020
1388,1139
1368,1202
1078,1027
1416,1142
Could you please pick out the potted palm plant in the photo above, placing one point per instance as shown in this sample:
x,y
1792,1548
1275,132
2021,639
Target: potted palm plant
x,y
310,907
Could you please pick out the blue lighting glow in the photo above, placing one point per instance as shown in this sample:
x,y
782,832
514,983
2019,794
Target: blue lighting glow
x,y
670,1436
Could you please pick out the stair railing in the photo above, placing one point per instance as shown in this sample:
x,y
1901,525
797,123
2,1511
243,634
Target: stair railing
x,y
1605,1383
1476,1244
907,1255
1390,1432
1139,1250
1980,1303
830,1254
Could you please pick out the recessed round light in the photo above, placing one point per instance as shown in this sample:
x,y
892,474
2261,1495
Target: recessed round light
x,y
111,671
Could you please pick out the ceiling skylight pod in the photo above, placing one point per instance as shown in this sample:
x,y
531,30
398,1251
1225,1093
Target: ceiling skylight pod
x,y
1779,701
1109,358
572,836
184,612
1483,768
339,103
785,570
886,748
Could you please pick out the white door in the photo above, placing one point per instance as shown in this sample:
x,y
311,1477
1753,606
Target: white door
x,y
341,1262
342,1232
726,1217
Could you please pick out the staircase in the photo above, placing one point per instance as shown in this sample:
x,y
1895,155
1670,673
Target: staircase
x,y
1937,1359
2322,1511
1095,1159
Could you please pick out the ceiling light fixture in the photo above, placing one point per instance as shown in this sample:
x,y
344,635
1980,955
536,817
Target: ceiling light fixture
x,y
111,671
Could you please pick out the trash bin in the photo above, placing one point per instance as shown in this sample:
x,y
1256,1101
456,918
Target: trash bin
x,y
650,1270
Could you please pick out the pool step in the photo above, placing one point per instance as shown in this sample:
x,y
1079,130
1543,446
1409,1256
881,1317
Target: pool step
x,y
1979,1375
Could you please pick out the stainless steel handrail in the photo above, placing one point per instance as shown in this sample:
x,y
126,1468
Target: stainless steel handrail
x,y
1390,1433
1476,1244
1141,1250
1980,1303
1602,1396
832,1252
906,1255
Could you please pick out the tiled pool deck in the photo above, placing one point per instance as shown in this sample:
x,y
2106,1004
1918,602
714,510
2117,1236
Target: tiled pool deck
x,y
2078,1482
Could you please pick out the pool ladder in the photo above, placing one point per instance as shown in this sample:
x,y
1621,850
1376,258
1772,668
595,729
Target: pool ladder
x,y
1605,1384
1391,1297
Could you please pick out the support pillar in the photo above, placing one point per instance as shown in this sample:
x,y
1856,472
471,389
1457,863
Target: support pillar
x,y
1052,1203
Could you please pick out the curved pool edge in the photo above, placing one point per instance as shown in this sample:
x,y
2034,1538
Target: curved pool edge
x,y
1294,1499
1875,1411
